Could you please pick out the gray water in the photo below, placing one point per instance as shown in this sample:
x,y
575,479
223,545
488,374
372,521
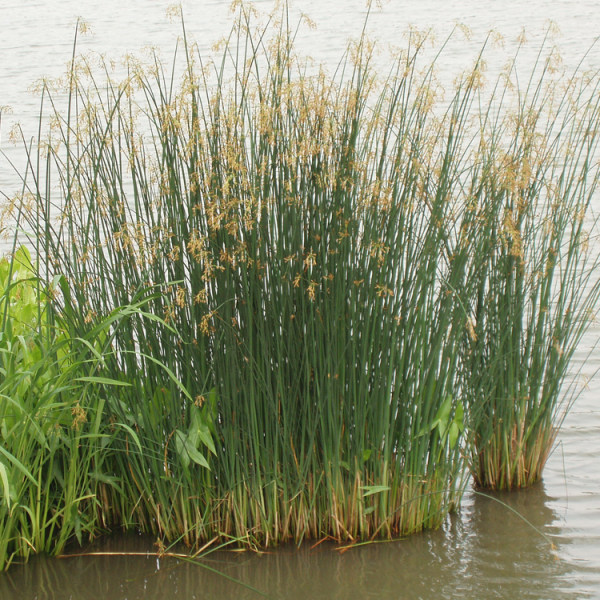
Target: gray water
x,y
539,543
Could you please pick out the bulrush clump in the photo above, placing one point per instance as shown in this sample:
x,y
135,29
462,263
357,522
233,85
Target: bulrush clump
x,y
311,304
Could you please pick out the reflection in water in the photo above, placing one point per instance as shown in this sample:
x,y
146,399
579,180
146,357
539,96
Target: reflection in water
x,y
488,551
510,548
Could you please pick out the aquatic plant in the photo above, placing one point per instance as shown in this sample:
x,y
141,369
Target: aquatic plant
x,y
303,234
59,429
537,290
314,295
45,470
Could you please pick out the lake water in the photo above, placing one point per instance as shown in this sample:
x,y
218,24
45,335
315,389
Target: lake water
x,y
548,548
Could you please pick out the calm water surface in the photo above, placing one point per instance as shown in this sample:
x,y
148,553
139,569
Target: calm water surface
x,y
548,548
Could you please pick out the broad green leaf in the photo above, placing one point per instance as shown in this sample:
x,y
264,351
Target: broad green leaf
x,y
196,456
17,463
369,490
200,431
206,438
453,435
103,380
5,484
187,452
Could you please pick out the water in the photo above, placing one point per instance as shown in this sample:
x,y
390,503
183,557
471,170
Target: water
x,y
550,549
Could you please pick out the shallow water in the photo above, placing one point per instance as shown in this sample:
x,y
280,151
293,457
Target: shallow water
x,y
529,544
539,543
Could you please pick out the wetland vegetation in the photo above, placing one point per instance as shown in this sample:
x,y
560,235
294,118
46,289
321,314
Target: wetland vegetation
x,y
265,303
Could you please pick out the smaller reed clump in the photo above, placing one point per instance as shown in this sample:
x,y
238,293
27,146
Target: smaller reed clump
x,y
537,289
330,290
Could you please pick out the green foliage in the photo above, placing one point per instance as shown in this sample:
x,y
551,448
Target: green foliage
x,y
58,434
289,305
537,289
41,416
19,302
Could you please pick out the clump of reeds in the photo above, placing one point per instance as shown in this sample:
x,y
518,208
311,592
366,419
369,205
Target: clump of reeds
x,y
303,233
330,277
534,181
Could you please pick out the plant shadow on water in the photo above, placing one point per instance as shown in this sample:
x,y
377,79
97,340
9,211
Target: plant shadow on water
x,y
499,546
